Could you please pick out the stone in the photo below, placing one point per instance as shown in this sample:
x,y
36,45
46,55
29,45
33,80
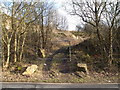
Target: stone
x,y
30,70
41,53
82,65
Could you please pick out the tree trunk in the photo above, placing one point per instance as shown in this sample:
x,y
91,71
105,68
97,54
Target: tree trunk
x,y
100,39
8,55
111,48
3,56
42,33
18,48
15,53
22,48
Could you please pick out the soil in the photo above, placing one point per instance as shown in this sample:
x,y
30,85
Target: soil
x,y
57,77
54,75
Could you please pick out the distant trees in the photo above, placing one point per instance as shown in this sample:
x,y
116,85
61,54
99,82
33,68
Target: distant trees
x,y
99,16
60,21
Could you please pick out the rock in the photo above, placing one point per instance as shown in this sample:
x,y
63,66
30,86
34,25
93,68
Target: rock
x,y
41,53
30,70
80,74
81,65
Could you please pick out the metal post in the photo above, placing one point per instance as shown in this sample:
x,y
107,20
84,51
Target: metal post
x,y
70,51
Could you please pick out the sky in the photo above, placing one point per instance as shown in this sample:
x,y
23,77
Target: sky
x,y
72,20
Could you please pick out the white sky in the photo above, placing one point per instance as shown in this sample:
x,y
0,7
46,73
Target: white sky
x,y
72,20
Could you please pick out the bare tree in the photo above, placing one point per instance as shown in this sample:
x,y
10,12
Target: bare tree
x,y
62,23
112,13
7,36
91,13
16,27
59,21
95,13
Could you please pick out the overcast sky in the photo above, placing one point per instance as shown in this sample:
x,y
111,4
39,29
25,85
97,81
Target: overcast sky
x,y
60,4
72,20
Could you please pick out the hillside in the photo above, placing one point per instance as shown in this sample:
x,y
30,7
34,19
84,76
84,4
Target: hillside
x,y
65,38
34,49
57,66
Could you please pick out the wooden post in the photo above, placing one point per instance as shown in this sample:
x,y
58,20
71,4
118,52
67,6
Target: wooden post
x,y
70,51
